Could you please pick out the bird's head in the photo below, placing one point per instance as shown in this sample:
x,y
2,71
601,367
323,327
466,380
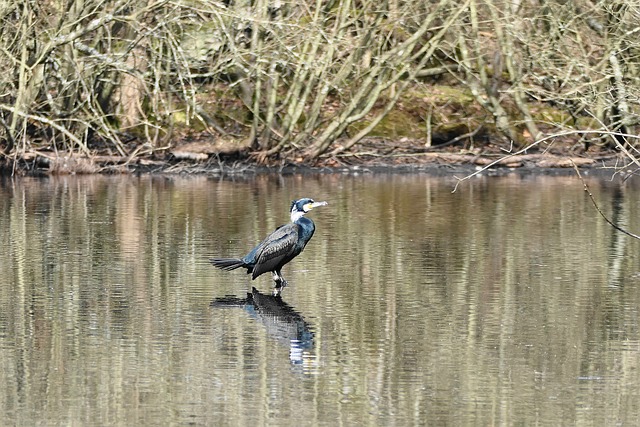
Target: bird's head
x,y
302,206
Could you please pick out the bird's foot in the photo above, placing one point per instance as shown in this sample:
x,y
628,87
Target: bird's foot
x,y
278,287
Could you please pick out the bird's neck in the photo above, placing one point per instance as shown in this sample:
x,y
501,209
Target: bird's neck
x,y
296,215
306,228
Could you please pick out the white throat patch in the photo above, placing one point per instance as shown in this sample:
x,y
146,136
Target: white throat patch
x,y
296,215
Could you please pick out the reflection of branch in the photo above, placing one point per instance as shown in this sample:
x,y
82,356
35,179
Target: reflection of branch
x,y
593,200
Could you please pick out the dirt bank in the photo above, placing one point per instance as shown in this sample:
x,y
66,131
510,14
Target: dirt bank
x,y
204,156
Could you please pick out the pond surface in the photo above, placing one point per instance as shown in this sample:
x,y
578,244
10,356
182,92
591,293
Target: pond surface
x,y
508,302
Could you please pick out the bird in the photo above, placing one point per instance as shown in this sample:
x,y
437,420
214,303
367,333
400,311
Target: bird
x,y
278,248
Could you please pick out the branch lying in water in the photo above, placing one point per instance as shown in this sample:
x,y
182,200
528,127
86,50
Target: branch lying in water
x,y
593,200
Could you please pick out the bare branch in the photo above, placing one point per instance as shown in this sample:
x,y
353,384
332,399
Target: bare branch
x,y
595,204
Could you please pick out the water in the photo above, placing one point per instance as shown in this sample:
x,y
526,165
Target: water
x,y
508,302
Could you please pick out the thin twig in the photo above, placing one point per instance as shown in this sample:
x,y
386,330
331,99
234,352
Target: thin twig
x,y
469,135
48,122
593,200
546,138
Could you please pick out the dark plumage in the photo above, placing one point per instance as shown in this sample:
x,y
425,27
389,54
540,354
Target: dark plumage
x,y
280,247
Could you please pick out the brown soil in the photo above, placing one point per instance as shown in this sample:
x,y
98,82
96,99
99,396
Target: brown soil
x,y
216,156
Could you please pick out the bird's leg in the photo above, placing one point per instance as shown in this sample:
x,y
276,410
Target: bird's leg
x,y
277,277
280,283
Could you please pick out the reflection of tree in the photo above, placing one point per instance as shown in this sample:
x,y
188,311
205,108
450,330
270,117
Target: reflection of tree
x,y
282,322
490,304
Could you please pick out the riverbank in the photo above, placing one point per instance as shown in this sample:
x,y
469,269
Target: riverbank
x,y
373,155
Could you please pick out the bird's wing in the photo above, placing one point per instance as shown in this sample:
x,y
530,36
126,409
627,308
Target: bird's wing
x,y
275,248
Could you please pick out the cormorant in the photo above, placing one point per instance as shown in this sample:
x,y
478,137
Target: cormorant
x,y
278,248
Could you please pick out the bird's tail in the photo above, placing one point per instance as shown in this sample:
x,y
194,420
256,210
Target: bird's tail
x,y
227,263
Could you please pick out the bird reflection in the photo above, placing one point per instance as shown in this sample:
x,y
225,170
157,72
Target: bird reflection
x,y
282,322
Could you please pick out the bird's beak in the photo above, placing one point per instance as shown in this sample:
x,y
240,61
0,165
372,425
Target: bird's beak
x,y
316,204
